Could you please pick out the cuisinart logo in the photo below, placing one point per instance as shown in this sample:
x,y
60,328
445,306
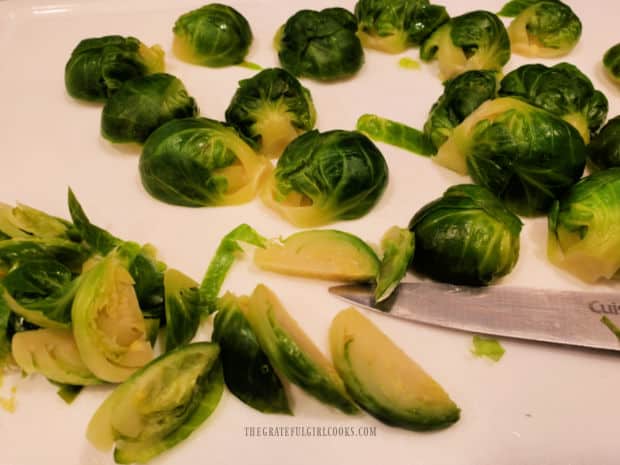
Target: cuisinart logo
x,y
604,308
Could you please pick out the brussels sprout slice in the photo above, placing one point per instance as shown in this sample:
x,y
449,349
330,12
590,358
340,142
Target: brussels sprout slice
x,y
611,63
160,405
323,254
292,353
183,308
383,380
53,353
604,149
398,246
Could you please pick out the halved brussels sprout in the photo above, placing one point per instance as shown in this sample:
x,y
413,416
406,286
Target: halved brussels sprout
x,y
398,246
383,380
611,63
475,40
292,353
214,35
184,308
200,162
324,177
99,66
604,149
271,109
160,405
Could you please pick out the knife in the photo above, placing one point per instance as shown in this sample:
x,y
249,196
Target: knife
x,y
583,319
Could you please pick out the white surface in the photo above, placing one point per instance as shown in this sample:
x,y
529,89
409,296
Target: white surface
x,y
539,405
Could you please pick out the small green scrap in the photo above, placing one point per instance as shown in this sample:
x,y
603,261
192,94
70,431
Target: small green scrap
x,y
612,326
485,347
409,63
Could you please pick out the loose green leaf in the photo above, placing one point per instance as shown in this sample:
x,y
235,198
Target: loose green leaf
x,y
612,326
395,133
68,392
409,63
490,348
184,308
398,246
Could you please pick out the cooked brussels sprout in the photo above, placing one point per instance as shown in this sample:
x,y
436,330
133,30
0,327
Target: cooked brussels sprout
x,y
467,236
25,221
184,308
17,251
160,405
324,177
214,35
200,162
143,104
475,40
541,28
271,109
398,246
383,380
561,89
611,63
321,253
604,149
461,96
394,25
523,154
584,227
395,133
99,66
321,45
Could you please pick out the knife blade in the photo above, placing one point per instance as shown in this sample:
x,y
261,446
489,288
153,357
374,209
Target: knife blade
x,y
557,316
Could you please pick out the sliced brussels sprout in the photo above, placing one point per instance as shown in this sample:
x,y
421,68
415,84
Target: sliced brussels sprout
x,y
383,380
292,352
584,227
271,109
467,236
160,405
324,177
393,26
214,35
395,133
184,308
53,353
475,40
398,246
247,371
322,254
604,149
321,45
611,63
200,162
525,155
99,66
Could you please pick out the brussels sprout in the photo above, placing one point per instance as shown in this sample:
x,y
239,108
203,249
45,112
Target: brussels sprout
x,y
199,162
542,28
214,35
383,380
561,89
604,149
394,133
398,246
523,154
611,63
466,236
99,66
52,353
292,353
394,25
271,109
247,371
461,96
322,254
475,40
160,405
183,308
321,45
584,227
143,104
324,177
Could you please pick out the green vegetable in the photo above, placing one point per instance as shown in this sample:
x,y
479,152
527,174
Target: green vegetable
x,y
324,177
98,66
14,252
525,155
322,254
612,327
143,104
271,109
398,246
292,353
214,35
383,380
611,63
542,28
604,148
475,40
200,162
6,360
584,227
160,405
484,347
394,25
409,63
184,307
467,236
68,392
395,133
321,45
23,221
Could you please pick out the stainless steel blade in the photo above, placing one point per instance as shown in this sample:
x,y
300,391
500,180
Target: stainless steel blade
x,y
564,317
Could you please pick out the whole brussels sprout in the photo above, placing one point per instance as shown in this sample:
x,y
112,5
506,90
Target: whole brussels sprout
x,y
394,25
214,35
271,109
322,45
99,66
467,236
604,149
611,63
143,104
324,177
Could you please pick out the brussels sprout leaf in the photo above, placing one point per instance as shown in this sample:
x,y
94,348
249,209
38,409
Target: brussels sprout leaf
x,y
395,133
611,325
99,239
183,308
490,348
